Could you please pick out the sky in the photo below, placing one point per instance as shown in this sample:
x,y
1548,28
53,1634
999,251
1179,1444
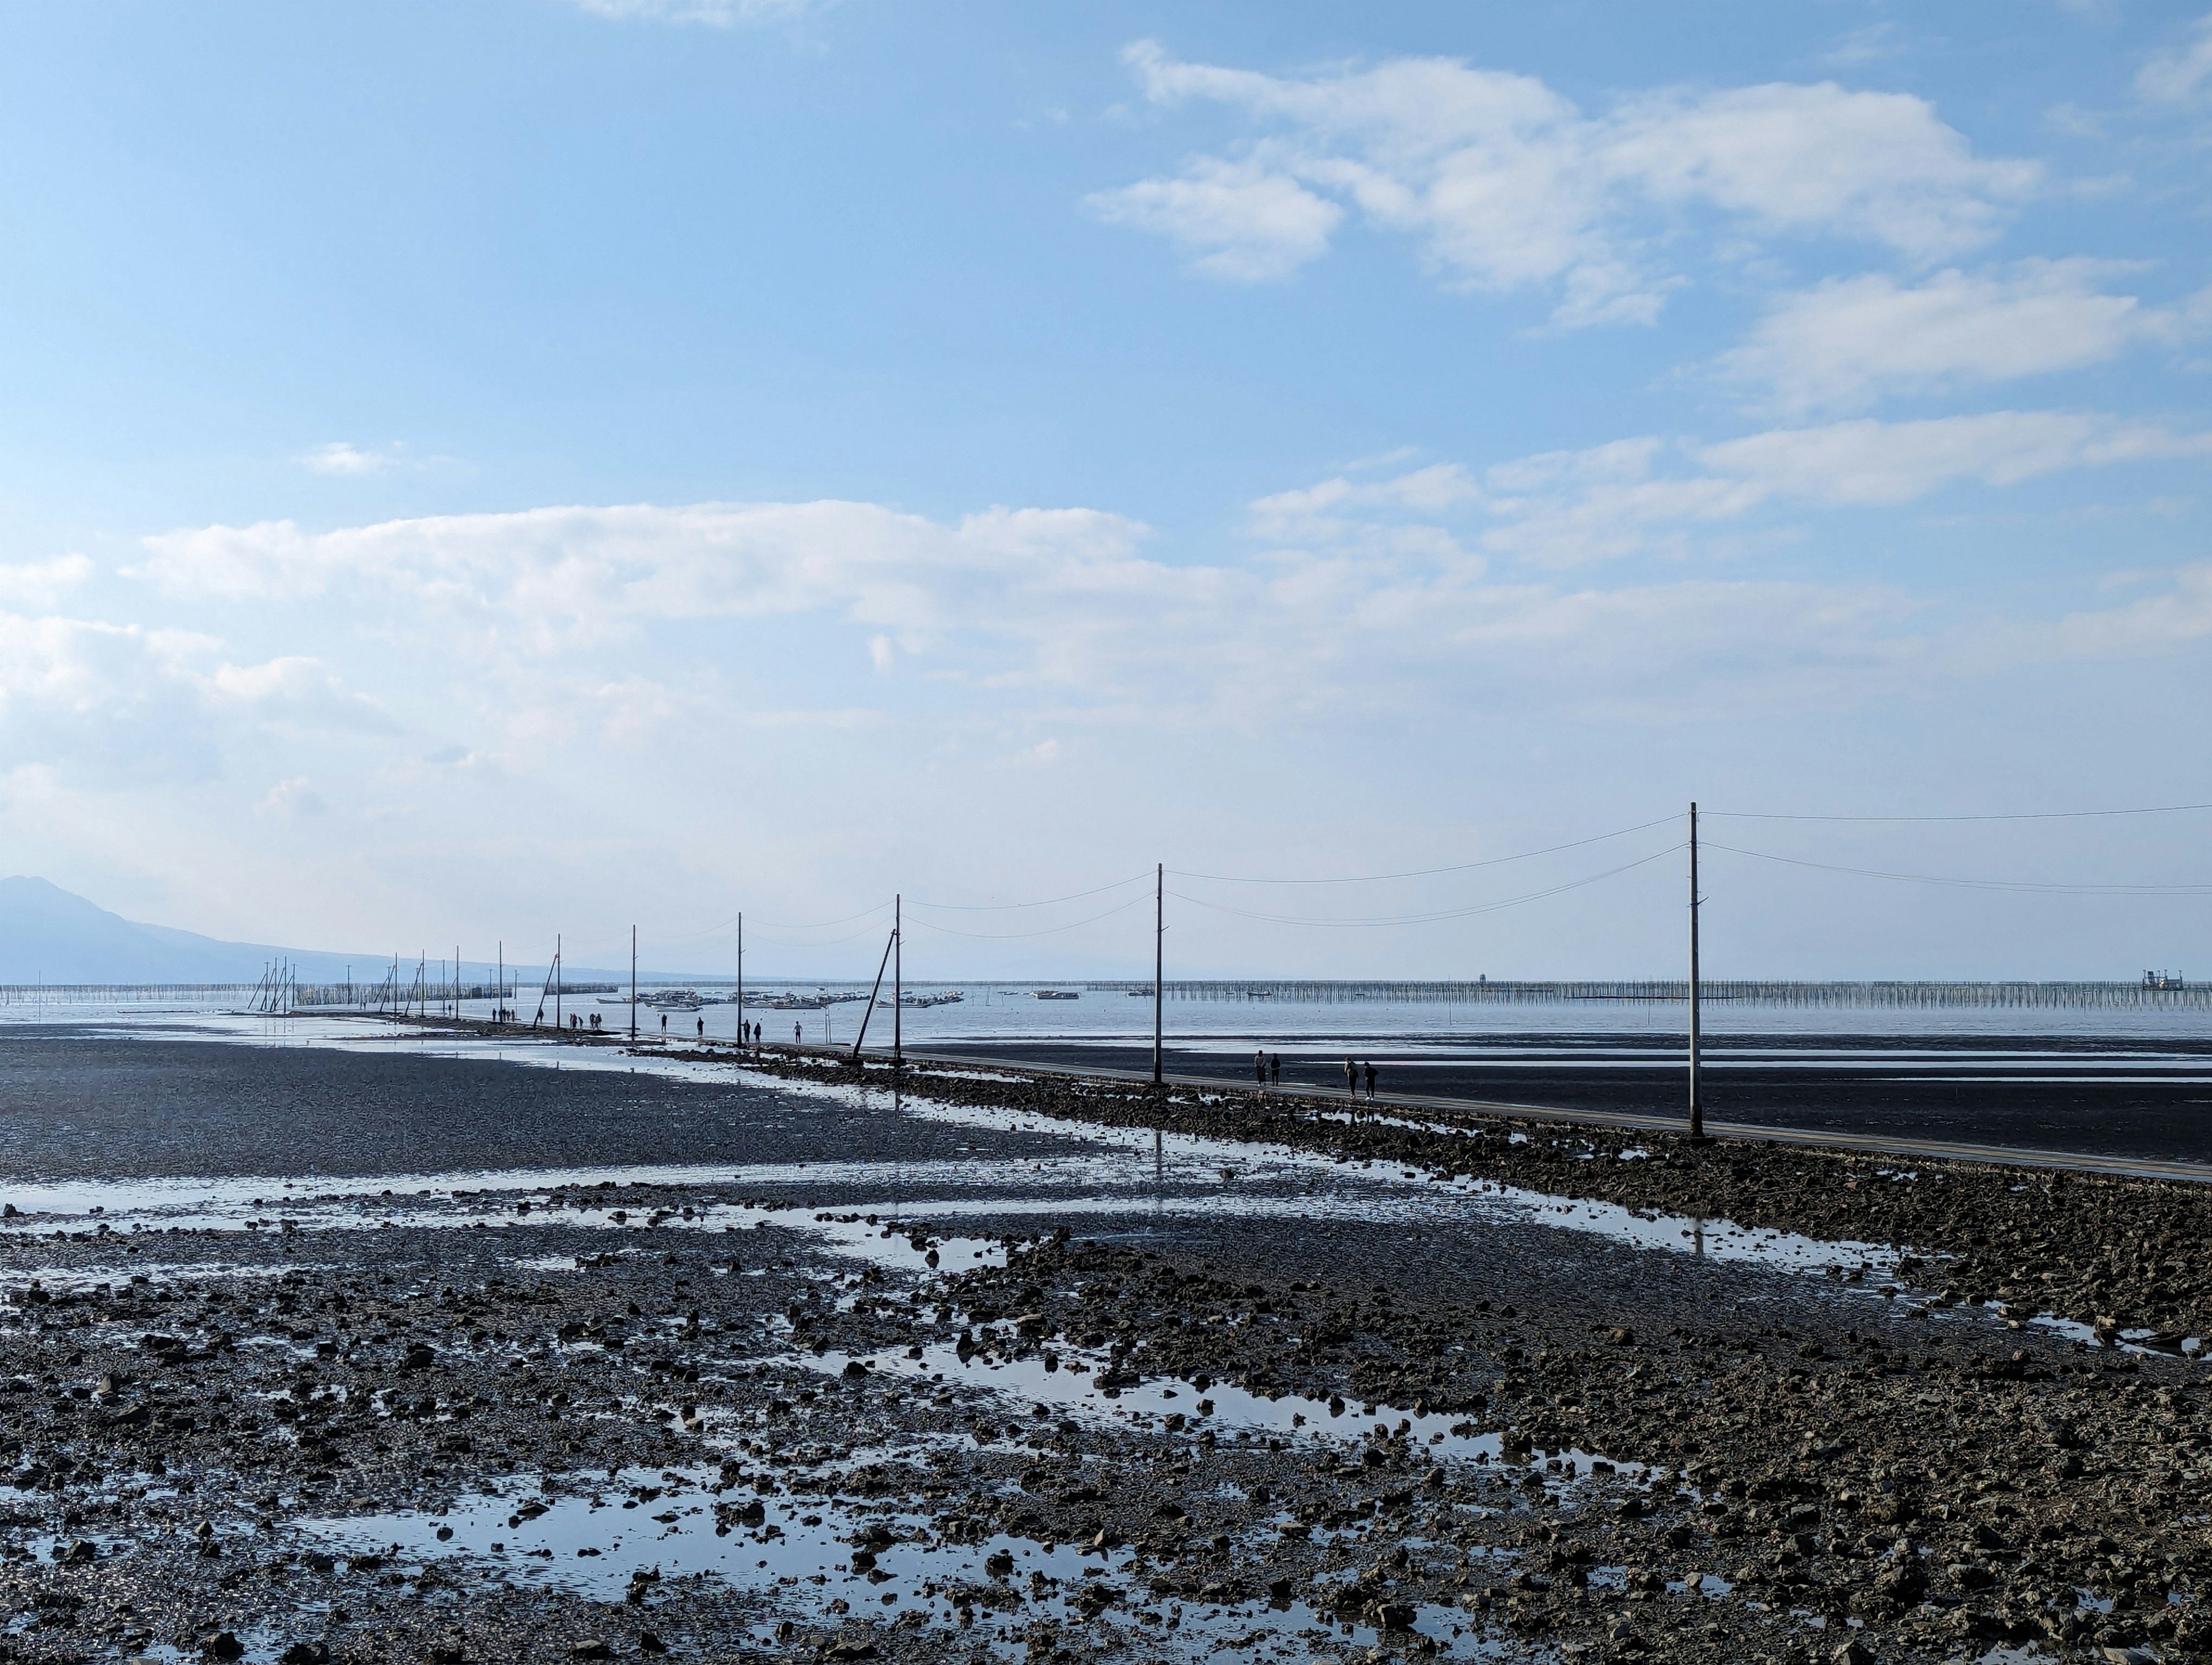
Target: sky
x,y
472,470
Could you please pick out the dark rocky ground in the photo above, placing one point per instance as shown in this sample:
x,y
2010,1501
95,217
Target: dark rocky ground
x,y
1792,1467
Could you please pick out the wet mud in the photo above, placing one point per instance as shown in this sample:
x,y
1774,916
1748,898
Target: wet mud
x,y
968,1372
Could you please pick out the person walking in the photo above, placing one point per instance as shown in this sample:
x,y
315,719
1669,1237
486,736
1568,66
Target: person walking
x,y
664,1026
703,1028
1275,1069
1351,1085
1260,1069
1370,1081
795,1036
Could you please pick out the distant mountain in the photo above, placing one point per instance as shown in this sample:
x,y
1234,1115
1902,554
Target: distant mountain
x,y
49,936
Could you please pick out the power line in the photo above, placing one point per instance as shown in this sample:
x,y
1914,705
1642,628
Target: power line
x,y
1445,914
2033,885
1003,907
2036,815
1049,930
1426,873
866,913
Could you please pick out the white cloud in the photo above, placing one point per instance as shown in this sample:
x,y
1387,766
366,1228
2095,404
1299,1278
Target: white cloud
x,y
296,693
1509,186
1851,340
289,800
2177,618
1862,46
1240,220
2183,74
1867,462
342,458
1822,160
42,584
1565,508
1362,593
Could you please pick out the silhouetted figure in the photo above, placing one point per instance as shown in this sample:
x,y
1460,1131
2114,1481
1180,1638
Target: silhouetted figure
x,y
1370,1080
703,1028
794,1035
1275,1070
1260,1069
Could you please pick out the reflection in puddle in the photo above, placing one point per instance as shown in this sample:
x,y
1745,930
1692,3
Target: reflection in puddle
x,y
1069,1381
837,1561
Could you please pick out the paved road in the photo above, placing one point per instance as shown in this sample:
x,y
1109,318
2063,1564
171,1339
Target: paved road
x,y
2124,1117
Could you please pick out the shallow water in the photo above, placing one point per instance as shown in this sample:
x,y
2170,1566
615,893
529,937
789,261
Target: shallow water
x,y
598,1542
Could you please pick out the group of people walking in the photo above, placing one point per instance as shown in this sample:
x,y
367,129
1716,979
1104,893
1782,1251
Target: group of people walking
x,y
1267,1071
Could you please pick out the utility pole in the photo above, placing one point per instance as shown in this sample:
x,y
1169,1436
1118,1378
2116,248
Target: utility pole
x,y
633,982
741,980
557,983
899,976
1697,1111
1159,937
499,989
457,982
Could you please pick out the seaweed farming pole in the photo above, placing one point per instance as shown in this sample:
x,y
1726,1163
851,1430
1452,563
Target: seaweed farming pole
x,y
633,983
1697,1111
1159,937
899,976
741,980
556,982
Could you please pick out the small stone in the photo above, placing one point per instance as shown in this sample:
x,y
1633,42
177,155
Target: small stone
x,y
590,1647
221,1645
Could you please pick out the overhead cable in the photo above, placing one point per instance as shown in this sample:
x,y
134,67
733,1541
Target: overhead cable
x,y
1004,906
1049,930
2036,885
2034,815
1427,872
1444,914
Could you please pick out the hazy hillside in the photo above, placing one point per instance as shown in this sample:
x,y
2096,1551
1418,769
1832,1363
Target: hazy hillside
x,y
48,935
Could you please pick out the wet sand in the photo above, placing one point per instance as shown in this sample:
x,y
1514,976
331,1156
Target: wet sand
x,y
1287,1390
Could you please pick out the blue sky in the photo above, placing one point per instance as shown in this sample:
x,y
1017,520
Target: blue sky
x,y
476,469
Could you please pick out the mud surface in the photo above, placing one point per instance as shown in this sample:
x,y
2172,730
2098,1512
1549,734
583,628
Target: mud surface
x,y
979,1371
2120,1096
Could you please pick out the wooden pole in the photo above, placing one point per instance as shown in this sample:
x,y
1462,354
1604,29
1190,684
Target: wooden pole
x,y
633,982
742,1036
556,982
869,1009
1697,1111
898,977
1159,937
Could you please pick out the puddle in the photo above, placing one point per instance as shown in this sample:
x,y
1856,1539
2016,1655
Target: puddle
x,y
1072,1381
836,1563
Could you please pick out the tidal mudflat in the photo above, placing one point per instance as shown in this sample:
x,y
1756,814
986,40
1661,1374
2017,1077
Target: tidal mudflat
x,y
409,1348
